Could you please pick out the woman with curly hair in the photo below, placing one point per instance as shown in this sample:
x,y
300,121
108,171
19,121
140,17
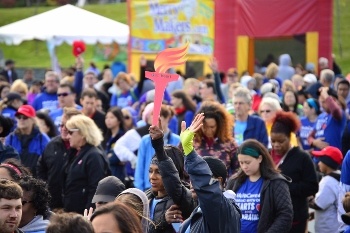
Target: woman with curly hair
x,y
294,163
215,138
35,205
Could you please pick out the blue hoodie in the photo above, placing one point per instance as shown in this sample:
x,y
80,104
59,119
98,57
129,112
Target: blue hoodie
x,y
285,71
37,225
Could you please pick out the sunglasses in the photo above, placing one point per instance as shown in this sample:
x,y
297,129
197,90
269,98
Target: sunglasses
x,y
22,117
25,202
267,111
127,117
63,94
71,131
61,125
101,202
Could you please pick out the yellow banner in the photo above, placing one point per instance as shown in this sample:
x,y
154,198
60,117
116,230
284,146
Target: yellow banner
x,y
159,24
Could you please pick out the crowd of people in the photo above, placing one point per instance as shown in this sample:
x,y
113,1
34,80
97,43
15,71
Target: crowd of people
x,y
230,153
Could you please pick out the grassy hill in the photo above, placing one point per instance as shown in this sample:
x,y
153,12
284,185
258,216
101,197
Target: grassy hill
x,y
34,53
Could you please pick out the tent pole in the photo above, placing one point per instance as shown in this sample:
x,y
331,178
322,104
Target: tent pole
x,y
338,29
35,13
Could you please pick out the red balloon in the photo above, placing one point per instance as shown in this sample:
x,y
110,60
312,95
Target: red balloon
x,y
78,48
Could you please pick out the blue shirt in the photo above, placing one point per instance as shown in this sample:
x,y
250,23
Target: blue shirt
x,y
239,129
56,115
47,101
248,200
153,204
123,100
345,169
331,129
306,128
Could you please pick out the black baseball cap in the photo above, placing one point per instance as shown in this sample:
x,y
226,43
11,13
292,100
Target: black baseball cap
x,y
108,189
13,96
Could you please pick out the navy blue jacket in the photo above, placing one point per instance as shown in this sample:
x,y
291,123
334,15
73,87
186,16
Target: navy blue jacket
x,y
256,129
7,152
216,213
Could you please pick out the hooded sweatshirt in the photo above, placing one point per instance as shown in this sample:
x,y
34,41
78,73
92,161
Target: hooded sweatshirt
x,y
37,225
144,199
285,71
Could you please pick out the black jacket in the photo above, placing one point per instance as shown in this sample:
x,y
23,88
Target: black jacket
x,y
14,75
50,169
175,188
82,172
299,167
160,225
216,211
276,210
99,119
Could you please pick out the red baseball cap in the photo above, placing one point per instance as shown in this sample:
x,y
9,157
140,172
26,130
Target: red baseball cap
x,y
26,110
330,152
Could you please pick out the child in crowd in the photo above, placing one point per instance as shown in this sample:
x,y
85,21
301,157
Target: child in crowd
x,y
326,199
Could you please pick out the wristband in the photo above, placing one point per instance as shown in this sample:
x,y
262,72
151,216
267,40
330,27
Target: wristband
x,y
186,138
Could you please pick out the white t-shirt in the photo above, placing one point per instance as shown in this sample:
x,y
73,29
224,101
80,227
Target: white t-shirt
x,y
327,199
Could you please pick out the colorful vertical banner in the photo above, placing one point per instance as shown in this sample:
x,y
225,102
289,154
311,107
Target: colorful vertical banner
x,y
160,24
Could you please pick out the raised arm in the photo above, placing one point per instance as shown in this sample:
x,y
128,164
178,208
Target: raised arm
x,y
170,176
218,211
214,67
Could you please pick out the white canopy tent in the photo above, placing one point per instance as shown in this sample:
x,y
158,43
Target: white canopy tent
x,y
65,24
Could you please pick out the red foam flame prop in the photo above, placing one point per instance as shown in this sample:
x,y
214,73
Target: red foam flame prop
x,y
165,60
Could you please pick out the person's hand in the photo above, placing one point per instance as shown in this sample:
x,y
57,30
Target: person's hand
x,y
320,143
173,214
187,135
196,124
324,92
156,132
143,61
79,62
213,64
87,214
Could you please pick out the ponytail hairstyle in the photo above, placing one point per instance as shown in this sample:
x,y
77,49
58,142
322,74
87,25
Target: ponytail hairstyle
x,y
285,123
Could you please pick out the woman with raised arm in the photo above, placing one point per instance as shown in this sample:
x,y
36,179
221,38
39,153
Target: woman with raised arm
x,y
171,168
217,211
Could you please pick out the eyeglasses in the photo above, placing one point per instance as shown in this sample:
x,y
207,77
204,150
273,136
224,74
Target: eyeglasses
x,y
127,117
63,94
71,131
22,117
25,202
267,111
